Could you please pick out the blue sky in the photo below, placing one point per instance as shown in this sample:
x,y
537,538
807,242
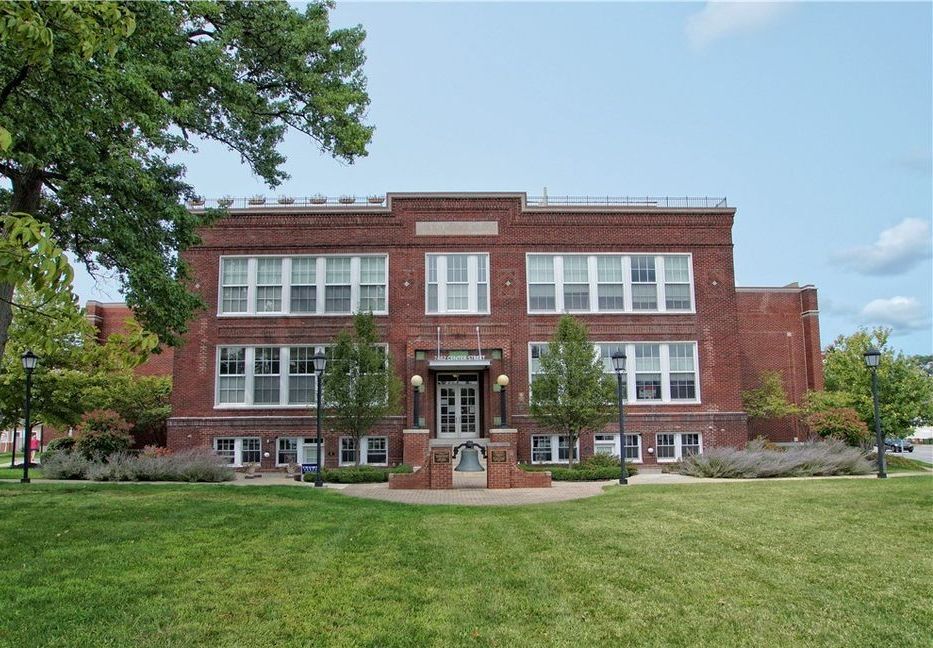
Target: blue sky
x,y
816,120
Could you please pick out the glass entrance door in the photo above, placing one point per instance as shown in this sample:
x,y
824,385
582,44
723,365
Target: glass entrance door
x,y
457,406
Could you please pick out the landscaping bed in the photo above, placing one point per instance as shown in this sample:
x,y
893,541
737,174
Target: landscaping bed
x,y
760,460
357,474
595,468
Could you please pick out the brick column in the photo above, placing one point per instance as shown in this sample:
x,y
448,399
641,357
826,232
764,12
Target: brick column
x,y
442,468
505,435
414,447
500,457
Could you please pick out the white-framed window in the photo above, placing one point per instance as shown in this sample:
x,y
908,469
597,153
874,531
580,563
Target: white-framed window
x,y
308,450
647,368
609,283
375,451
268,285
457,283
609,444
270,376
672,446
234,285
304,285
286,451
231,375
656,372
552,448
267,376
237,451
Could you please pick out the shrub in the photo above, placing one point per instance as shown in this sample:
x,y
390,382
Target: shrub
x,y
156,451
810,459
62,444
598,467
357,474
102,433
64,465
189,466
841,423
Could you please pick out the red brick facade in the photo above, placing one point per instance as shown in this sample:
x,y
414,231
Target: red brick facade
x,y
113,318
718,324
779,330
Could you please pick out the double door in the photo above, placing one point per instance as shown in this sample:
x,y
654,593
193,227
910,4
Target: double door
x,y
458,406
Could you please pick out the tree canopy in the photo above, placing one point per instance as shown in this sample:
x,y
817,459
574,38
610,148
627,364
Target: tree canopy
x,y
905,392
360,387
571,393
95,97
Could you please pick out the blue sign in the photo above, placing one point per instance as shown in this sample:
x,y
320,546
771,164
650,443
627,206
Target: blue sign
x,y
308,468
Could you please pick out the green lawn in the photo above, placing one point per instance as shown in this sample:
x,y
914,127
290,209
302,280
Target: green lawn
x,y
763,564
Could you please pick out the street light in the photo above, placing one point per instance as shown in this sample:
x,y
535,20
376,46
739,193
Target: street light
x,y
320,363
618,363
29,363
416,382
503,382
872,360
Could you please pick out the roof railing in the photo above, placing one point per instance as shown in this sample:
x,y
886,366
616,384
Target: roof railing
x,y
377,200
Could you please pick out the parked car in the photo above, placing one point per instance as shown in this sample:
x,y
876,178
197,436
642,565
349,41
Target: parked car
x,y
899,445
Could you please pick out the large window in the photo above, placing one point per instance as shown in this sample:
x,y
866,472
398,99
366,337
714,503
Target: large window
x,y
552,448
457,283
375,451
609,283
303,285
676,445
237,451
656,372
608,444
270,376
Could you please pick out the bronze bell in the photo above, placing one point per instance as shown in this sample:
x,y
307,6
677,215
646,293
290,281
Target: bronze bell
x,y
470,461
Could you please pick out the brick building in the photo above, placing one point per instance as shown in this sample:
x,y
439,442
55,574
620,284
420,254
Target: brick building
x,y
113,317
466,287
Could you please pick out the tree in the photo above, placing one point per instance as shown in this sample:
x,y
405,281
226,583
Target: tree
x,y
360,387
768,401
905,392
572,394
95,97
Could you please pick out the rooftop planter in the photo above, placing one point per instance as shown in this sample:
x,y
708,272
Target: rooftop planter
x,y
257,200
318,199
375,200
286,200
347,200
226,201
197,201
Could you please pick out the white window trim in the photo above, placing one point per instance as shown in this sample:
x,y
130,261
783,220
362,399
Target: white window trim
x,y
364,451
300,449
678,446
630,371
284,357
320,283
473,284
615,441
555,449
237,448
594,283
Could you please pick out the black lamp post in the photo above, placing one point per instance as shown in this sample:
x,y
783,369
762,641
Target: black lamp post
x,y
416,382
29,363
872,360
503,382
618,363
320,362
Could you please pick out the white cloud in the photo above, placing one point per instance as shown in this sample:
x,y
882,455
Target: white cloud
x,y
897,250
721,19
903,314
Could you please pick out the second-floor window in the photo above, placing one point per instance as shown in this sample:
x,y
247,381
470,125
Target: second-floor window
x,y
609,283
457,283
303,285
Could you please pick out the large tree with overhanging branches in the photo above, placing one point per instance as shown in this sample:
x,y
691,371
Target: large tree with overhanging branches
x,y
95,97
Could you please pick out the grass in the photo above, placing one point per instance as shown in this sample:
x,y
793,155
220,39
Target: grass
x,y
756,564
899,463
17,473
